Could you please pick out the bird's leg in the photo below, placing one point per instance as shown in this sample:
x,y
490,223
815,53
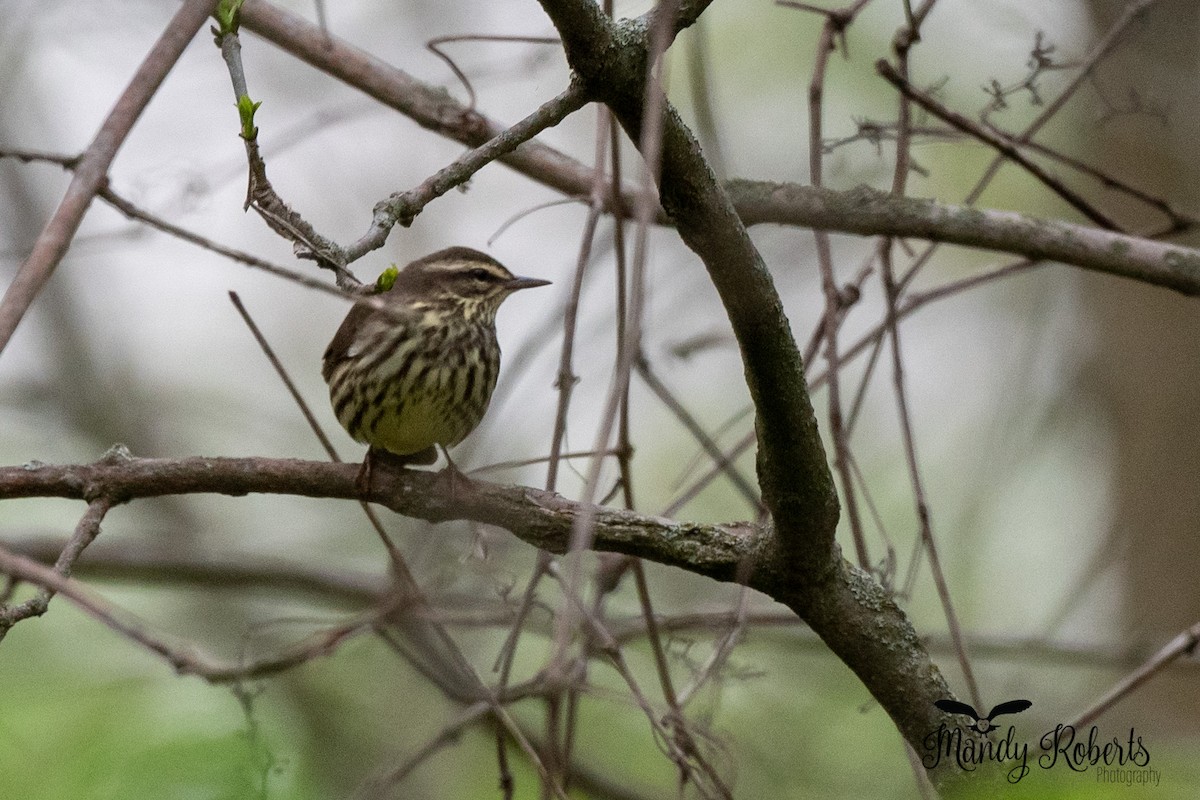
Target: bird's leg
x,y
363,481
456,480
378,457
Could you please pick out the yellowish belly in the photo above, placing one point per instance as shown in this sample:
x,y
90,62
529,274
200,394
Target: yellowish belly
x,y
422,422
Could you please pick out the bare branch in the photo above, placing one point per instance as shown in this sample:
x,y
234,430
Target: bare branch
x,y
184,658
1183,644
429,106
868,212
403,207
541,518
86,531
996,141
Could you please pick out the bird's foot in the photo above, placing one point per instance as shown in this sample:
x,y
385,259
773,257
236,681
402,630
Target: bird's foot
x,y
377,457
363,482
457,483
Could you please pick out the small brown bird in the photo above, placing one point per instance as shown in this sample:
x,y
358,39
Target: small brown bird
x,y
420,372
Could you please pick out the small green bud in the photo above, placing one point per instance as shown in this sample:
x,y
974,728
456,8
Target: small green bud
x,y
387,279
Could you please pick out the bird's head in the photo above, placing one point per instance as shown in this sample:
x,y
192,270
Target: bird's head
x,y
459,279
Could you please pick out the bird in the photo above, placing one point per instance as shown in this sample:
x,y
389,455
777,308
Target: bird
x,y
982,724
418,372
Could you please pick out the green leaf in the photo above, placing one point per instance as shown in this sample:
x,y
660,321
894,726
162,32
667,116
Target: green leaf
x,y
227,15
246,108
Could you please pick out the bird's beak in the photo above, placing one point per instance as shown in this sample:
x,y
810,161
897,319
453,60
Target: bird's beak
x,y
525,283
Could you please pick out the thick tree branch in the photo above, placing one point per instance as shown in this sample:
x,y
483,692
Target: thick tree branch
x,y
800,565
868,212
541,518
610,60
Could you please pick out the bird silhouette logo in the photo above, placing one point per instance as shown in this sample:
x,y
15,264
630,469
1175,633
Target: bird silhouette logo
x,y
982,724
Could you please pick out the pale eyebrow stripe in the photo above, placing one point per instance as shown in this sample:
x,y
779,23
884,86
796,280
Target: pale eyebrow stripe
x,y
454,266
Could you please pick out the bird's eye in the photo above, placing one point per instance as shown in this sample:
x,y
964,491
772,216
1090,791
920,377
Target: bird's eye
x,y
480,274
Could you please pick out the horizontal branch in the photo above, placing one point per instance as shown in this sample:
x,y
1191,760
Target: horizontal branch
x,y
137,563
159,561
869,212
541,518
185,659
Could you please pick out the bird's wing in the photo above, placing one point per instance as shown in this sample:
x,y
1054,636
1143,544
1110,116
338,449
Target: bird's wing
x,y
955,707
1011,707
360,325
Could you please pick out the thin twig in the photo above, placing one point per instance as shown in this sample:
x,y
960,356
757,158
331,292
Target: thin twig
x,y
1182,645
611,649
652,633
650,146
138,214
86,531
503,227
426,104
621,280
872,338
260,194
135,562
717,470
1179,221
833,295
1001,144
433,46
924,525
528,462
474,690
141,215
374,788
1097,54
508,652
736,625
397,558
892,291
565,381
281,371
698,433
403,207
185,659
